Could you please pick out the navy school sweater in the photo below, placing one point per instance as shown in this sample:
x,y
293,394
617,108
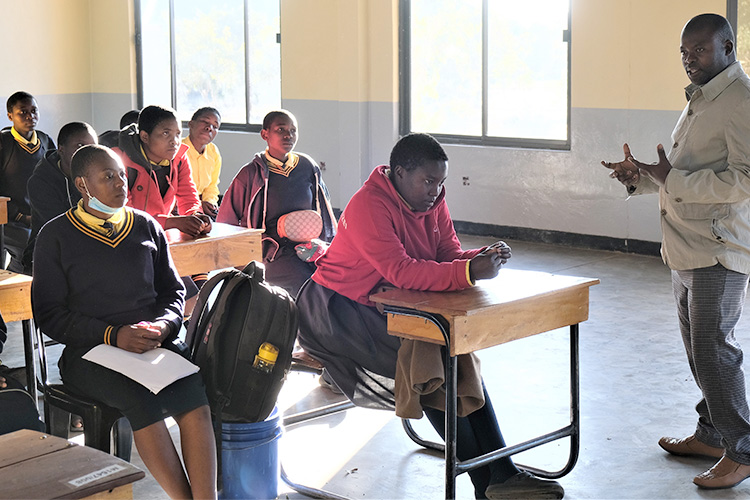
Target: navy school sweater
x,y
87,285
16,167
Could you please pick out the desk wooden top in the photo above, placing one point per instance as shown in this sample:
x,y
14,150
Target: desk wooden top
x,y
513,305
4,209
15,296
225,246
37,465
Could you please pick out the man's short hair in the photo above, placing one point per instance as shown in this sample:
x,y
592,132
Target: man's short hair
x,y
70,129
87,156
206,110
129,118
151,116
413,150
16,98
272,115
715,23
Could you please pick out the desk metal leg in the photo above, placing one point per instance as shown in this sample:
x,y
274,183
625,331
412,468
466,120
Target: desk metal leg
x,y
450,425
28,351
2,246
453,467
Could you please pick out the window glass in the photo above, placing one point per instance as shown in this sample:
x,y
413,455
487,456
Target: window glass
x,y
488,70
264,59
527,69
743,33
210,57
219,59
446,66
157,72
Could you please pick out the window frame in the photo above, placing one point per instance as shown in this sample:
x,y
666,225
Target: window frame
x,y
484,139
239,127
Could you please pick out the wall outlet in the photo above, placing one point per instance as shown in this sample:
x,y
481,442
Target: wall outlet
x,y
466,181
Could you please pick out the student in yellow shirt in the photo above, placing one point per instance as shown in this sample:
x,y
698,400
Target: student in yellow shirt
x,y
205,159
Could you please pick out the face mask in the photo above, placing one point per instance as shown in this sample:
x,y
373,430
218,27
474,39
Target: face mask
x,y
97,205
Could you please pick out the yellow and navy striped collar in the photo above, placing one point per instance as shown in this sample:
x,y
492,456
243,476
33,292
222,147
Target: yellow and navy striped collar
x,y
31,146
120,224
282,167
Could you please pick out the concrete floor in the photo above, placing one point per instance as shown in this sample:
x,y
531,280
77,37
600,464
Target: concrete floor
x,y
635,387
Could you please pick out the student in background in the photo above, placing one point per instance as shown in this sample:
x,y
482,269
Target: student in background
x,y
51,189
397,231
205,159
21,148
159,171
103,275
111,138
278,182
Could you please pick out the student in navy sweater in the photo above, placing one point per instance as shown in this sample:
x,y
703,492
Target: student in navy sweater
x,y
103,274
21,148
51,189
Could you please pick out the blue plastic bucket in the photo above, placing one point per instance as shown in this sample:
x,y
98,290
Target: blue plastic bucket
x,y
250,458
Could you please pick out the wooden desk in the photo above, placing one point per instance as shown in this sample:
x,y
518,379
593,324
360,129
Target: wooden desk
x,y
514,305
225,246
37,465
15,305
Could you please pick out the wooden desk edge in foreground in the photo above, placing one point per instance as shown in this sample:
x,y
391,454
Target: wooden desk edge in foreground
x,y
37,465
514,305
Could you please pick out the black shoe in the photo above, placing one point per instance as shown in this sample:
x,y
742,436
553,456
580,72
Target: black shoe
x,y
524,485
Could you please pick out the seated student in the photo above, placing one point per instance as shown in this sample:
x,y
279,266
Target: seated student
x,y
396,230
103,275
159,171
278,182
21,148
205,159
51,189
111,138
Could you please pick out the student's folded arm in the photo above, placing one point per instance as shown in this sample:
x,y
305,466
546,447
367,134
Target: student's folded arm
x,y
378,241
49,299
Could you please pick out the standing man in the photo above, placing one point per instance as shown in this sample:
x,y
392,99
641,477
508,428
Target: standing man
x,y
704,197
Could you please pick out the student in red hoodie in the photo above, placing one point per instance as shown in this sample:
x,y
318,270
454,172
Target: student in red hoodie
x,y
158,169
397,231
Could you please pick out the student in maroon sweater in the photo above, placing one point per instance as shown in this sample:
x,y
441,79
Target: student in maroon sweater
x,y
397,231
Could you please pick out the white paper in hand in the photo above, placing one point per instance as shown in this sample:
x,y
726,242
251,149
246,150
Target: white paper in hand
x,y
154,369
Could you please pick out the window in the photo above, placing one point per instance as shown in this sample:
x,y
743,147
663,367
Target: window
x,y
492,72
222,53
741,22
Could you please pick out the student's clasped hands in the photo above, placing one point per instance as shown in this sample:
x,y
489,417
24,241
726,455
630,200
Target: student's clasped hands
x,y
628,171
487,264
193,225
141,337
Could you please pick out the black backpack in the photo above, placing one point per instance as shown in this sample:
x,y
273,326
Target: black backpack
x,y
225,333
